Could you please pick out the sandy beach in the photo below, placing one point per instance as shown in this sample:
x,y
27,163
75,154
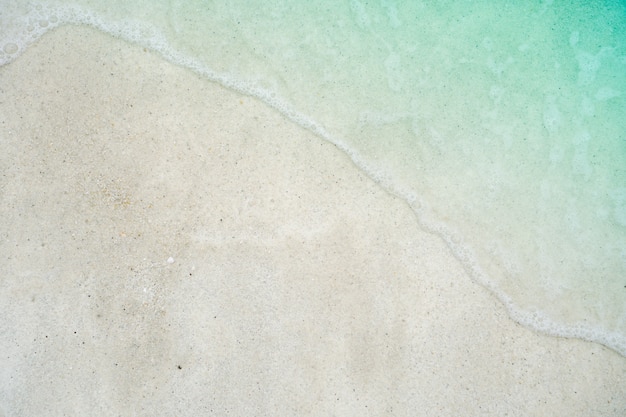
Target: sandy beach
x,y
171,247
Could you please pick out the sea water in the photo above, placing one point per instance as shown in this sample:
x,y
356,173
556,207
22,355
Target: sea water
x,y
502,125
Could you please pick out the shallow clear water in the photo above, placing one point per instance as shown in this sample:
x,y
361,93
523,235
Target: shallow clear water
x,y
503,126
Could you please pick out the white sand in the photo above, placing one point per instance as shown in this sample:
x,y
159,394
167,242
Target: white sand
x,y
296,286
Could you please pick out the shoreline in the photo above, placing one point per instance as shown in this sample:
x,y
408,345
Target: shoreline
x,y
204,242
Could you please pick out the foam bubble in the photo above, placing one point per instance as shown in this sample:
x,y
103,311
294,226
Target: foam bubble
x,y
10,48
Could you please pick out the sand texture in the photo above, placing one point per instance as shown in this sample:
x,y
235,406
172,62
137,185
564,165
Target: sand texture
x,y
170,247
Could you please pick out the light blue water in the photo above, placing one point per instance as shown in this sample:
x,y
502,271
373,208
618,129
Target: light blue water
x,y
503,126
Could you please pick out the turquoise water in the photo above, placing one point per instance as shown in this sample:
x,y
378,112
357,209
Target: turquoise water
x,y
503,126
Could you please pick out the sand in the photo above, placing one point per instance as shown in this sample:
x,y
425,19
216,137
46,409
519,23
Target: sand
x,y
170,247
